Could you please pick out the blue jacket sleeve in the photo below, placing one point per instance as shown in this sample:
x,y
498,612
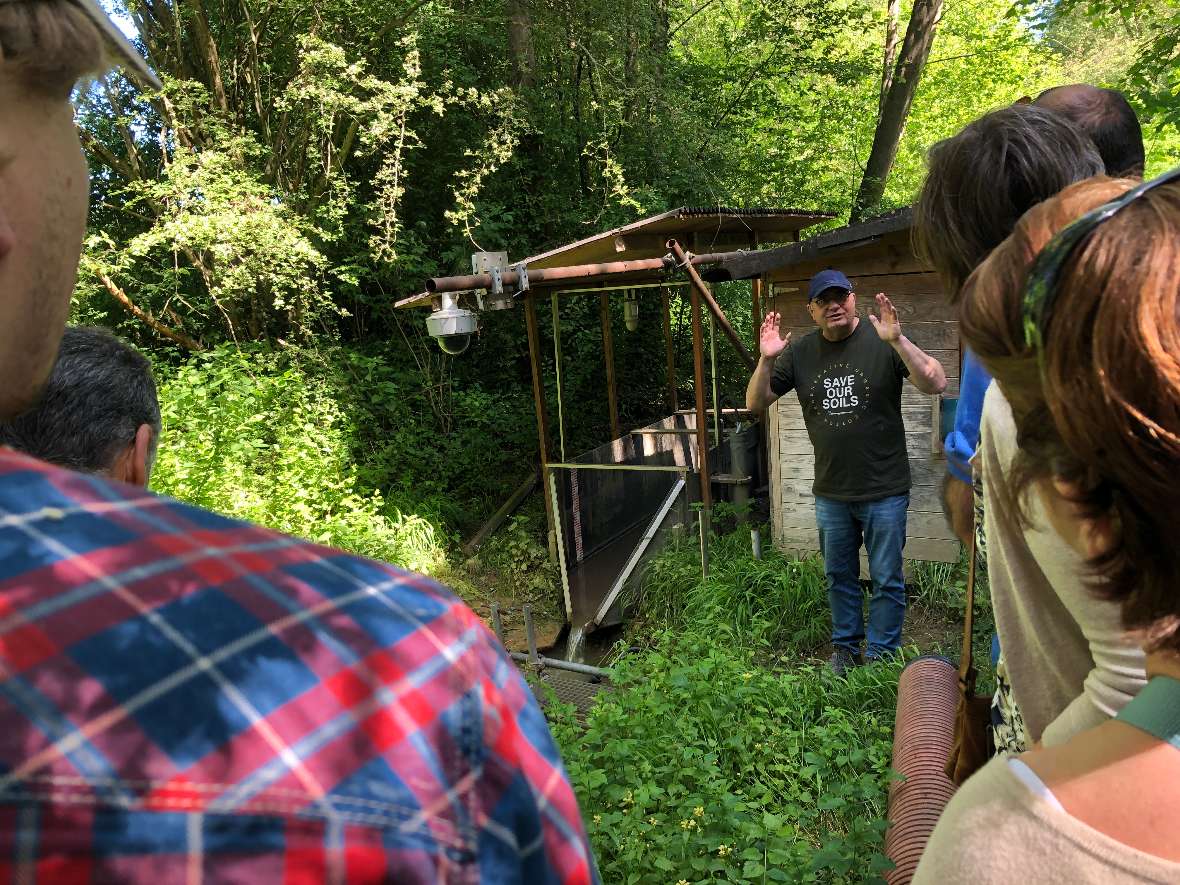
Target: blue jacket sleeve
x,y
961,442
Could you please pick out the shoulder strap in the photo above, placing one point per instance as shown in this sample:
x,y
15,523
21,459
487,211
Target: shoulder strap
x,y
966,670
1156,710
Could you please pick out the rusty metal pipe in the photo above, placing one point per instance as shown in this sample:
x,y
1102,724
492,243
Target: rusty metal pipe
x,y
714,308
924,730
550,275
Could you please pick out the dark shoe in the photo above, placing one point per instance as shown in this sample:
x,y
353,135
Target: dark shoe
x,y
878,658
842,659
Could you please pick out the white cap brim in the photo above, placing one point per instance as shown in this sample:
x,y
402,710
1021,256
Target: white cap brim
x,y
127,54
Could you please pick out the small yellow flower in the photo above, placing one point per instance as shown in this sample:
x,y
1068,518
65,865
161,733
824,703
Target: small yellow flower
x,y
652,821
747,676
682,882
686,825
723,850
699,811
598,818
628,799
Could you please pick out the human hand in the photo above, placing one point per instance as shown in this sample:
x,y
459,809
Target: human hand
x,y
887,324
770,342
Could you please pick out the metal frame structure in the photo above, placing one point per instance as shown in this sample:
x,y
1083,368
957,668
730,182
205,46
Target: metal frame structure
x,y
527,282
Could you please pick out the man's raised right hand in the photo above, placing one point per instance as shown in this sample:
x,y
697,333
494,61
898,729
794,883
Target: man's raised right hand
x,y
770,343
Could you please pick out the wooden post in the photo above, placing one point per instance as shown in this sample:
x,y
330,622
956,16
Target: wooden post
x,y
673,400
608,349
530,316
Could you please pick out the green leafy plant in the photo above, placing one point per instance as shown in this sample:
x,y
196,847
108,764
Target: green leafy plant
x,y
704,766
522,561
779,600
261,436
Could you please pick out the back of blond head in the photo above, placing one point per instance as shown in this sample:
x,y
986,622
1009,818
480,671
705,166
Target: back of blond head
x,y
48,44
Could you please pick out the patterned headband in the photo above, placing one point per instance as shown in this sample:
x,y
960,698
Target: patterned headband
x,y
1040,294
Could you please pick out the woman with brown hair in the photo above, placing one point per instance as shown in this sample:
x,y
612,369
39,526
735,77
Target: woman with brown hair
x,y
1077,316
1065,664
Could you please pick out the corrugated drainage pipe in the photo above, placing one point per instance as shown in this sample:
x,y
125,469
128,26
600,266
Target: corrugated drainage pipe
x,y
923,732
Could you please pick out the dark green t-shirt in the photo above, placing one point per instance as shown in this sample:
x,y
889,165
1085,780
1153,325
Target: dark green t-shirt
x,y
850,392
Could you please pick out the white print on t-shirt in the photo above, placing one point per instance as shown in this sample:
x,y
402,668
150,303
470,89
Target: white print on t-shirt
x,y
840,395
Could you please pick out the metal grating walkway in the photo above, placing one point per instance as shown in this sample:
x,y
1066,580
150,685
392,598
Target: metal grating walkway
x,y
581,693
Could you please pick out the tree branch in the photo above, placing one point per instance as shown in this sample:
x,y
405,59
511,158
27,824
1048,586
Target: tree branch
x,y
171,334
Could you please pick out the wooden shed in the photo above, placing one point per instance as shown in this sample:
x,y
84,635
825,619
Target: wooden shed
x,y
877,256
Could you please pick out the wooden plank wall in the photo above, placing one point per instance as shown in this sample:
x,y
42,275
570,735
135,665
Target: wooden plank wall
x,y
888,266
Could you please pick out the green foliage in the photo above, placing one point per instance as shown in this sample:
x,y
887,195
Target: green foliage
x,y
1128,44
521,561
260,437
338,445
703,765
941,587
779,599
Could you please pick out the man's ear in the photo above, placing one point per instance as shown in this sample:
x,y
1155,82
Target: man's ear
x,y
131,465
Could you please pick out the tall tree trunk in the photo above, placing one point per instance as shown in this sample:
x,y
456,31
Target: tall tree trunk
x,y
521,57
893,12
212,58
915,49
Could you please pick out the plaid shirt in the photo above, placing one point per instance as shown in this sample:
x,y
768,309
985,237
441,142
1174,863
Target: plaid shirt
x,y
187,698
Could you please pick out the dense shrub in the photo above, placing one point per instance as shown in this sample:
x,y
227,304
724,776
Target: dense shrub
x,y
703,765
263,437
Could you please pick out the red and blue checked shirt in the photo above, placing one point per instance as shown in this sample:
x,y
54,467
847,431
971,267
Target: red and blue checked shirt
x,y
185,698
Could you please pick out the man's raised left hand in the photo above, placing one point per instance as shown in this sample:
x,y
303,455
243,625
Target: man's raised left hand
x,y
887,324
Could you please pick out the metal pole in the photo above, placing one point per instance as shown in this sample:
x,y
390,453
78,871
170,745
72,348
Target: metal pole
x,y
534,333
614,287
559,539
669,353
703,522
558,664
531,633
698,286
550,275
608,349
497,626
698,367
756,298
756,543
557,368
713,377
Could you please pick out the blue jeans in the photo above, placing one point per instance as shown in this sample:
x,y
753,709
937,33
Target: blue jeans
x,y
881,525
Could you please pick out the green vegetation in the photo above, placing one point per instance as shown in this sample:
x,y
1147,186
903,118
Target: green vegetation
x,y
705,764
305,166
725,752
308,164
778,600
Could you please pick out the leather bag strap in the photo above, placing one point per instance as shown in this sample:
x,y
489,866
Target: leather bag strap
x,y
966,670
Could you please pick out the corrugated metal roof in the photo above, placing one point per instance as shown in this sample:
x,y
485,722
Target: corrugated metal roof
x,y
700,229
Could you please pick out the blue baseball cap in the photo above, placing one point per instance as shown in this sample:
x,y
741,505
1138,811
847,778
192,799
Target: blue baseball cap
x,y
824,280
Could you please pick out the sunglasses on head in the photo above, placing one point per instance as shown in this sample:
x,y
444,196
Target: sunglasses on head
x,y
1041,291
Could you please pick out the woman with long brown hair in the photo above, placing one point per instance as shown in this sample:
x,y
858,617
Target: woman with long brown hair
x,y
1065,665
1077,316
